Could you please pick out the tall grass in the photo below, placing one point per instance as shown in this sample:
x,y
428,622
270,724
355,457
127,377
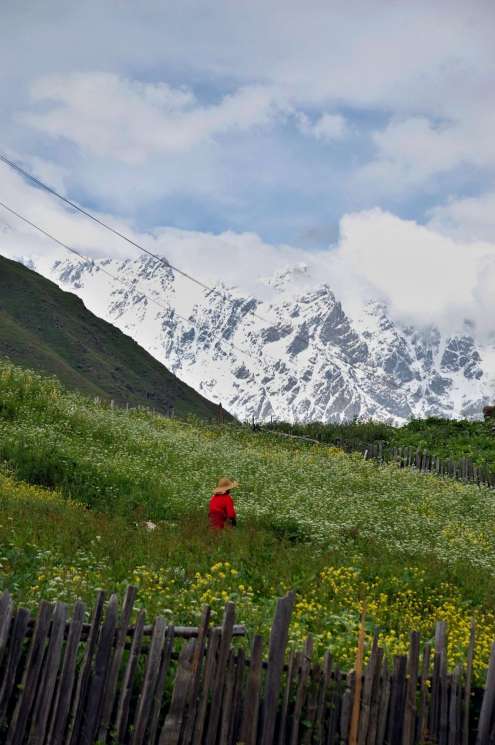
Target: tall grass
x,y
80,479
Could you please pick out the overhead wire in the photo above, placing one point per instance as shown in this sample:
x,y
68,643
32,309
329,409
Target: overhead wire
x,y
83,257
116,232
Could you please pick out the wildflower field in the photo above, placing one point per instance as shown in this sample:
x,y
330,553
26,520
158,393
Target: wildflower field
x,y
443,438
341,531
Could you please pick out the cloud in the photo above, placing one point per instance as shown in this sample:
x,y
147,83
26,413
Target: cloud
x,y
320,53
423,275
237,259
18,239
190,107
111,116
410,152
468,218
327,127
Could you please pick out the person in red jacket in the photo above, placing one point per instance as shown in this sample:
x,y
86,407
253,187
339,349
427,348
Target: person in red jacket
x,y
222,511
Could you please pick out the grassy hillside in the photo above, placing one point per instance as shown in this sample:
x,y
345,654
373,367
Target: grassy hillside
x,y
44,328
338,529
444,438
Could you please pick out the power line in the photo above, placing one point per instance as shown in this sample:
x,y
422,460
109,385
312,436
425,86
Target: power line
x,y
109,274
116,232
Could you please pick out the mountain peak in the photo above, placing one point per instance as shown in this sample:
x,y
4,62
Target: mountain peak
x,y
308,358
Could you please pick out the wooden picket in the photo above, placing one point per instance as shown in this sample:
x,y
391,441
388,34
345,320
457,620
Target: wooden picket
x,y
406,457
59,686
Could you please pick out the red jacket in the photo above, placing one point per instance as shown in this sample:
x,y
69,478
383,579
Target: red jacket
x,y
221,509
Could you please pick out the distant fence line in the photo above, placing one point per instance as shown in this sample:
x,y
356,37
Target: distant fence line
x,y
422,460
406,457
168,412
59,686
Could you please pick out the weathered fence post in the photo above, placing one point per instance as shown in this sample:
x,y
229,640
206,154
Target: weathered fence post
x,y
408,731
276,655
356,704
174,721
85,671
111,682
48,678
467,685
249,726
6,607
488,704
424,695
23,709
398,698
60,715
98,679
439,672
151,675
304,673
197,660
126,691
223,655
370,685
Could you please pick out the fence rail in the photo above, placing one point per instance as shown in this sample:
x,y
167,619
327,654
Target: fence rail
x,y
463,470
407,457
57,688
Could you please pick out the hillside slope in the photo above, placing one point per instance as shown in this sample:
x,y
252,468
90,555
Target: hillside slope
x,y
339,530
47,329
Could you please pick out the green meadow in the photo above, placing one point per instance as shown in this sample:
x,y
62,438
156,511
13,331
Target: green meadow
x,y
80,483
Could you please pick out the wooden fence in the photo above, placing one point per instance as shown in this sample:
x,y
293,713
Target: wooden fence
x,y
70,683
408,457
463,469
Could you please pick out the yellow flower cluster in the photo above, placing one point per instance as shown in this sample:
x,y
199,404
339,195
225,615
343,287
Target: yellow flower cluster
x,y
333,451
180,597
67,583
330,610
219,586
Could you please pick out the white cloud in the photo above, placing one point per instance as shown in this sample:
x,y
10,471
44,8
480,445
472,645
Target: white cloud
x,y
327,127
423,275
50,172
427,68
45,211
469,218
409,152
233,258
128,120
367,53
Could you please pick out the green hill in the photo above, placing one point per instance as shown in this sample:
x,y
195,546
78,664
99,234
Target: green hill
x,y
341,531
46,329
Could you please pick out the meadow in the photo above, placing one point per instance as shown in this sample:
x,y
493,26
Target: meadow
x,y
443,438
78,481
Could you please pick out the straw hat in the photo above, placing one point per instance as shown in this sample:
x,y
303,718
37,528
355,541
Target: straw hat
x,y
224,485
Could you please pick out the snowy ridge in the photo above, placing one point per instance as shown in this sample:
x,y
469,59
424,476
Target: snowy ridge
x,y
307,360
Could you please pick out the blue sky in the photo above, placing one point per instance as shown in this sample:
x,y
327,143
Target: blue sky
x,y
274,117
315,109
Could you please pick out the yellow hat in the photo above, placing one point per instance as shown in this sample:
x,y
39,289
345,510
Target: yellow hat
x,y
224,485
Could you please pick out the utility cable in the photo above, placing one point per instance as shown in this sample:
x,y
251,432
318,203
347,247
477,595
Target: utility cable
x,y
112,276
116,232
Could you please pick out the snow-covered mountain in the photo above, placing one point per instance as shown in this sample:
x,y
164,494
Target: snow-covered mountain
x,y
296,356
